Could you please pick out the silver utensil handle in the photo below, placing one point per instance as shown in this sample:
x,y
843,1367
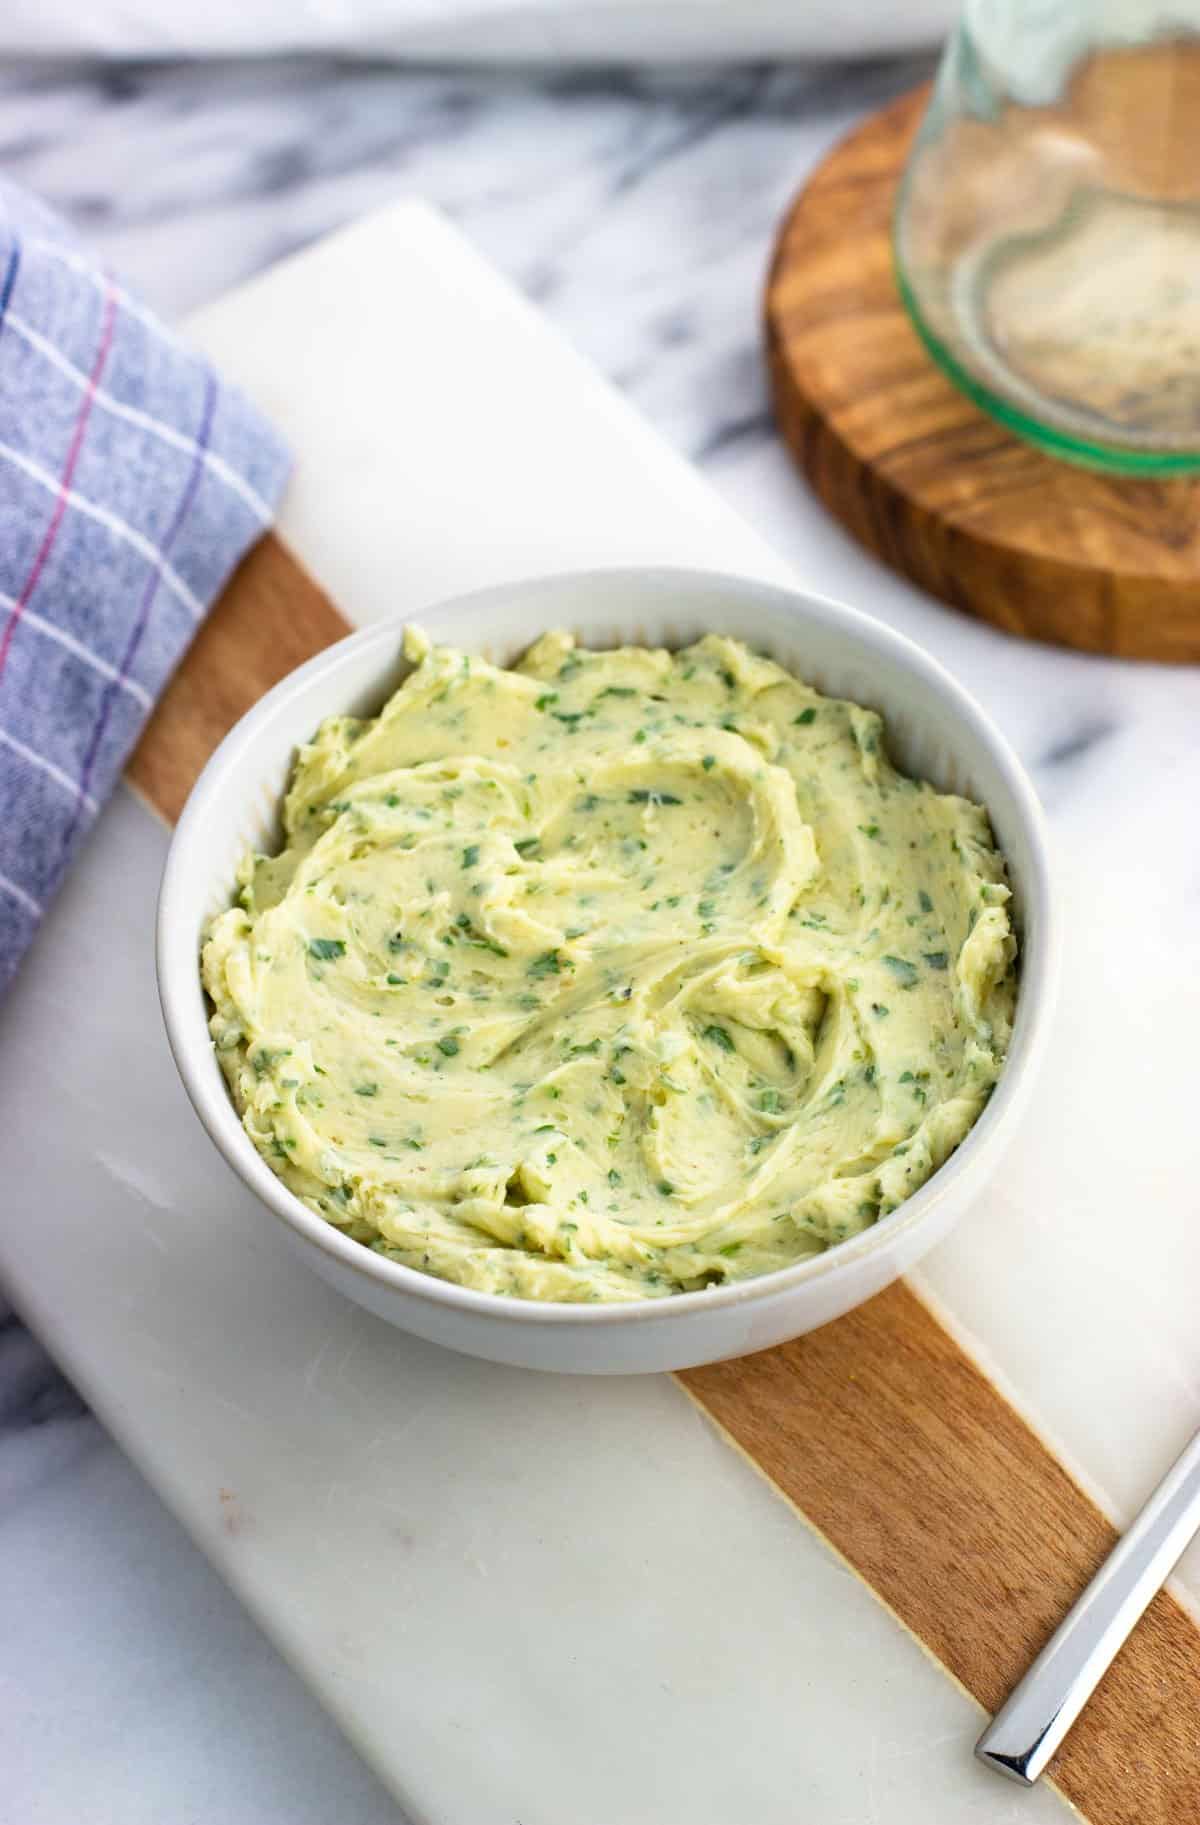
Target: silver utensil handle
x,y
1025,1733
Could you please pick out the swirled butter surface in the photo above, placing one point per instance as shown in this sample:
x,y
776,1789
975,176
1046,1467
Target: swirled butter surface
x,y
612,976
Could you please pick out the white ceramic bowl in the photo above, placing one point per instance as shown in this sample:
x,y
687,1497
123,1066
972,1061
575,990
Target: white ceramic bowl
x,y
934,731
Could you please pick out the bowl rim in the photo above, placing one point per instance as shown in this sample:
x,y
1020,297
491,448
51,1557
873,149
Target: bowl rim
x,y
177,972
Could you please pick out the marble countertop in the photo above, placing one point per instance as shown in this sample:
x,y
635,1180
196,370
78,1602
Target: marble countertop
x,y
637,212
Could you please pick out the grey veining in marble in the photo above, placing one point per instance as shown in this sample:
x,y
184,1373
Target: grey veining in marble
x,y
637,211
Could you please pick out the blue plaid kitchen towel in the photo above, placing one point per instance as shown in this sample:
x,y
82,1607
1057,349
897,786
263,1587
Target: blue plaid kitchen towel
x,y
131,482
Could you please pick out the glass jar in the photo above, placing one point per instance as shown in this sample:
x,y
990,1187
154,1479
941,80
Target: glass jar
x,y
1047,230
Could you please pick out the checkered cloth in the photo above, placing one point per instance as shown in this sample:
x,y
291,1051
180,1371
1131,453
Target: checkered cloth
x,y
131,482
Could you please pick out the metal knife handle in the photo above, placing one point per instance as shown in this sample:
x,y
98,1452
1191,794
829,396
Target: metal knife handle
x,y
1025,1733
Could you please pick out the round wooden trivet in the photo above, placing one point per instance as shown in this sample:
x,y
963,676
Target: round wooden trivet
x,y
921,476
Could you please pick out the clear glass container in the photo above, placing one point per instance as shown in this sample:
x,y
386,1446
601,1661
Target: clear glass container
x,y
1048,228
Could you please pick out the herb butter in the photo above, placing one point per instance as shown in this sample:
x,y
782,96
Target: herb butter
x,y
612,976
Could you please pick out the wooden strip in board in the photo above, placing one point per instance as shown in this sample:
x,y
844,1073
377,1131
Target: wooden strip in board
x,y
879,1428
895,1445
269,619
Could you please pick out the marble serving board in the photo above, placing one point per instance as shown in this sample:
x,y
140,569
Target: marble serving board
x,y
524,1597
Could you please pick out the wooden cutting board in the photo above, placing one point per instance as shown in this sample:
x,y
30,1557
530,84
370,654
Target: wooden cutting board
x,y
916,471
880,1429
